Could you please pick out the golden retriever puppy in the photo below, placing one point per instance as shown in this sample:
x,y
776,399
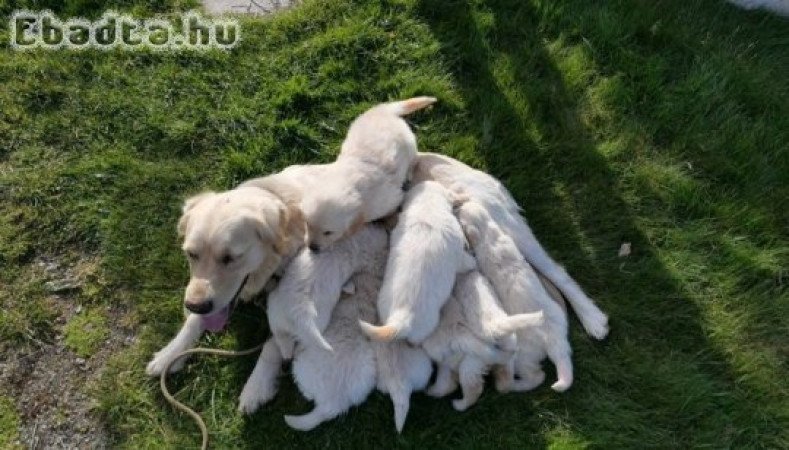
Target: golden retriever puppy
x,y
234,241
300,308
520,291
366,181
427,251
342,379
474,333
488,191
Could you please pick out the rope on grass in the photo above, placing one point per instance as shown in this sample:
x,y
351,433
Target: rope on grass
x,y
206,351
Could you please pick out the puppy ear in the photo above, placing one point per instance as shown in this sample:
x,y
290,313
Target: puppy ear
x,y
189,205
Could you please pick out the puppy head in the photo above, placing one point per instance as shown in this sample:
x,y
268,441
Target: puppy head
x,y
227,236
331,213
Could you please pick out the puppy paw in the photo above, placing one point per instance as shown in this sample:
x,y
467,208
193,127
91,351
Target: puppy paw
x,y
561,386
160,360
253,396
460,404
439,391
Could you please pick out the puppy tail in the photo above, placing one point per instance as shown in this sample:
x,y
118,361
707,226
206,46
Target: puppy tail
x,y
398,324
313,336
307,422
405,107
382,333
401,407
400,392
516,322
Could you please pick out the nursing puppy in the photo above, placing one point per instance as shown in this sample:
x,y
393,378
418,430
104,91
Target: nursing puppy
x,y
402,369
474,333
342,379
426,253
483,188
366,181
301,305
234,241
520,291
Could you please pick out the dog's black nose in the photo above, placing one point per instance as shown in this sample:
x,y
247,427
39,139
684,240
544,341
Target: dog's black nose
x,y
315,248
200,307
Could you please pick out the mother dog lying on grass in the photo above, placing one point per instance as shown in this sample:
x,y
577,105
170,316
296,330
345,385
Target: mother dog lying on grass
x,y
236,240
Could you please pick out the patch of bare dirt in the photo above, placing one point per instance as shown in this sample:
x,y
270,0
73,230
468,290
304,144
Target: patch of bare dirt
x,y
49,383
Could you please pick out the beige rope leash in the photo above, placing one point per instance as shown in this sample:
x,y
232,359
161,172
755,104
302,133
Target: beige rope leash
x,y
181,406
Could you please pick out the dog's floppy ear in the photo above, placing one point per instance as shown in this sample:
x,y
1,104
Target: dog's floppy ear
x,y
277,223
189,205
291,226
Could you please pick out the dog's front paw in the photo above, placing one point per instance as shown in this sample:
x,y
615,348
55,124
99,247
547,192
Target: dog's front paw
x,y
160,361
253,396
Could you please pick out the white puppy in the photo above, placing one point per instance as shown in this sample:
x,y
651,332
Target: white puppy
x,y
520,291
301,305
342,379
474,333
402,369
366,182
488,191
426,253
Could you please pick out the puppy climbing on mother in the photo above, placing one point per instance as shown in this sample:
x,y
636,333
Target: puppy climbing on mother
x,y
366,181
427,251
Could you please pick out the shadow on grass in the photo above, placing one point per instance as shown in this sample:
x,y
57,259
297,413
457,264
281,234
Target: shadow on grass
x,y
658,381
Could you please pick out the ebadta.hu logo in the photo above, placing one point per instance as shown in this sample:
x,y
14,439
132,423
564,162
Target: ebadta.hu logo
x,y
190,31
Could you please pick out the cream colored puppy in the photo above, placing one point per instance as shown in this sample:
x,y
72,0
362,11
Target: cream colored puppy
x,y
474,334
402,369
342,379
483,188
234,241
520,291
300,307
426,253
366,182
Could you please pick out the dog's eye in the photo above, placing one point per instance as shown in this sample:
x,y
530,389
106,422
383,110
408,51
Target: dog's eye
x,y
227,259
192,256
327,233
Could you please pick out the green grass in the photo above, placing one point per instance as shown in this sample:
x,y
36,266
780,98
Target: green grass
x,y
664,124
86,332
9,422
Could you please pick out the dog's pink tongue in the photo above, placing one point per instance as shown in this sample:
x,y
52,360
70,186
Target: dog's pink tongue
x,y
216,321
